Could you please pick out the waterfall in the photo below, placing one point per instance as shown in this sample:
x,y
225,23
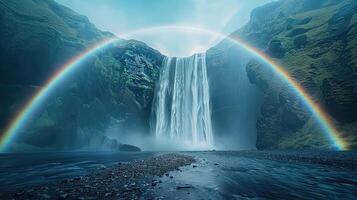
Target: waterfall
x,y
182,102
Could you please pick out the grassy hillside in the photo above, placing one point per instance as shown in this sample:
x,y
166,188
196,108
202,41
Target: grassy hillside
x,y
316,41
114,88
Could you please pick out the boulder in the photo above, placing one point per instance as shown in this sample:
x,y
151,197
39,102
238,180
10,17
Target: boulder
x,y
128,147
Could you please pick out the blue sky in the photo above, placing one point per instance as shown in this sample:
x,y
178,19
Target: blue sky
x,y
123,16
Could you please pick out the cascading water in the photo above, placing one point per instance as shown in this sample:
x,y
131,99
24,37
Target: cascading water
x,y
182,102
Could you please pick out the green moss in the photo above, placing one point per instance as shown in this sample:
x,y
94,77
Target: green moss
x,y
114,86
318,45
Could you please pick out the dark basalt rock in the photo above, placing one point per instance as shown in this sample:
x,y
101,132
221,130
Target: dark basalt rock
x,y
128,147
291,23
341,99
302,21
293,117
300,41
259,74
275,49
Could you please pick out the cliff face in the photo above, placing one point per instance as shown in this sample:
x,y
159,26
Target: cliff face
x,y
316,42
235,102
113,88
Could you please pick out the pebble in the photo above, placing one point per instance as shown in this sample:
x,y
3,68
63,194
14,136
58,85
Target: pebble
x,y
86,198
184,187
89,187
46,196
154,183
108,194
63,196
30,191
20,193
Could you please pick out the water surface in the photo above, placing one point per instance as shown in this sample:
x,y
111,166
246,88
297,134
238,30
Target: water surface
x,y
28,169
265,175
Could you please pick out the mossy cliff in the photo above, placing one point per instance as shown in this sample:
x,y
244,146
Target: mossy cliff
x,y
316,42
112,88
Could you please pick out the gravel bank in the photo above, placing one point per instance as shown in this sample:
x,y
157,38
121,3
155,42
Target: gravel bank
x,y
132,180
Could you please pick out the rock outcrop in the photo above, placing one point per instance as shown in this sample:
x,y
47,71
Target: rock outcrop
x,y
112,88
316,42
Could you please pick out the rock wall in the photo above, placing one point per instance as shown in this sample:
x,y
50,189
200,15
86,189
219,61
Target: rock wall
x,y
316,42
113,88
235,102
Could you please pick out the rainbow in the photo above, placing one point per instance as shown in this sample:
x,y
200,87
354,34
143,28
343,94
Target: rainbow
x,y
20,118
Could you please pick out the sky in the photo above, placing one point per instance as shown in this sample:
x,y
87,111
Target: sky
x,y
125,17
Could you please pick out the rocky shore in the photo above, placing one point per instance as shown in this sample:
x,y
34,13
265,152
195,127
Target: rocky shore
x,y
133,180
337,159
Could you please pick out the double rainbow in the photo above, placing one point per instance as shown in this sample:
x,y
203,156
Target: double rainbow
x,y
20,118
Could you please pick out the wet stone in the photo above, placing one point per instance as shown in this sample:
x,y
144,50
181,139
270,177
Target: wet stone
x,y
184,187
108,194
154,183
19,193
46,196
63,196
